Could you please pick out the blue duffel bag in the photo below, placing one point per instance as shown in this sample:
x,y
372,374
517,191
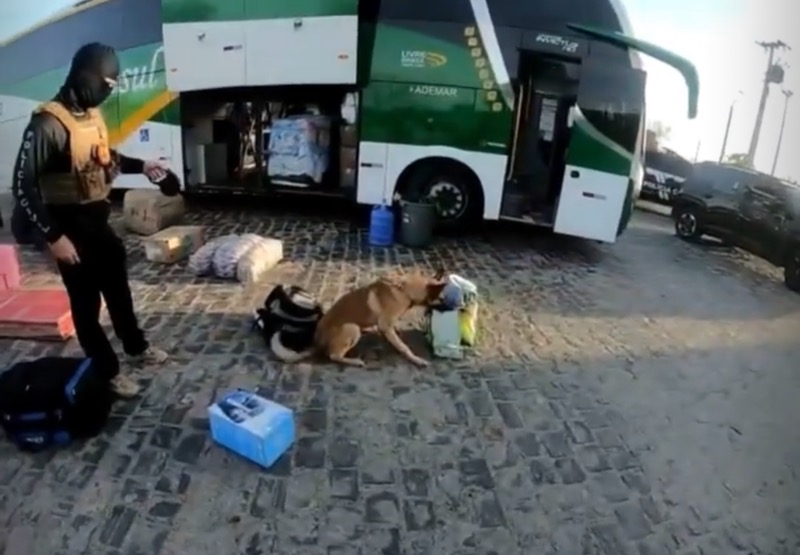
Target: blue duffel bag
x,y
51,401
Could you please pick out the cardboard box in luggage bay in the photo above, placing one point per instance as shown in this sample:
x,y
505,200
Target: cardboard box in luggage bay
x,y
148,211
174,243
251,426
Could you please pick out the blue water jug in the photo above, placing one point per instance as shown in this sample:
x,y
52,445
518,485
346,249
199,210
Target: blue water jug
x,y
381,226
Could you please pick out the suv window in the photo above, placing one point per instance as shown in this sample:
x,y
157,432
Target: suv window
x,y
721,179
792,193
769,187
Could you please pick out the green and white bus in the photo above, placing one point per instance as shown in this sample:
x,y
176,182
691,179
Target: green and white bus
x,y
497,109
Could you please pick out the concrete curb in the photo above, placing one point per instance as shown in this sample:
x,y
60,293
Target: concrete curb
x,y
653,208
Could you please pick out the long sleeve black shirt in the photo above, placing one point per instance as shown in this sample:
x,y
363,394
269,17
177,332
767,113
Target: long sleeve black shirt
x,y
45,149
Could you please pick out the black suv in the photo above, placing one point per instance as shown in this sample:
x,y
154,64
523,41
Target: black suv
x,y
753,211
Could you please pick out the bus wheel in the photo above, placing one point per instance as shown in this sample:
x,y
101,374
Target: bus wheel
x,y
453,188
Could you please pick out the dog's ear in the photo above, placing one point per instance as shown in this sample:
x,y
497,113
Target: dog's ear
x,y
440,275
433,291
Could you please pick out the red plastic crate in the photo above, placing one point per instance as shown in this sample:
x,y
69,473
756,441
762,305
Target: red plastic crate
x,y
10,275
36,314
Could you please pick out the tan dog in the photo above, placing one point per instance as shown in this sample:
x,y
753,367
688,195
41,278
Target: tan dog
x,y
377,305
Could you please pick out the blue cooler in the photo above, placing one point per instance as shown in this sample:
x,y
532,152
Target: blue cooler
x,y
251,426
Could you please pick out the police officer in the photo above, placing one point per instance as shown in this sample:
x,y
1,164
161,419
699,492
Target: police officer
x,y
62,179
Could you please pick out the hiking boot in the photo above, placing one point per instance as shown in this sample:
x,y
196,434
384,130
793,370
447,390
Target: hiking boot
x,y
124,386
152,356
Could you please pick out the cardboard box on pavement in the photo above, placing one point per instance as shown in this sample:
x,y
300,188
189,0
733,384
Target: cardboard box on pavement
x,y
174,243
147,211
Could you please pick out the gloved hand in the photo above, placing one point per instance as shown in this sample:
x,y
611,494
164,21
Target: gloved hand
x,y
167,181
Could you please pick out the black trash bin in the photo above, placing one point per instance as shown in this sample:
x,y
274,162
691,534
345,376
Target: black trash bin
x,y
417,221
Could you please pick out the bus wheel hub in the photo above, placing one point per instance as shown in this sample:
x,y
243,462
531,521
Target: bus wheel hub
x,y
449,199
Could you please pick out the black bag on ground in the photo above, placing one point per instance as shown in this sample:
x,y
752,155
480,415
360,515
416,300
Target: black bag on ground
x,y
53,400
291,311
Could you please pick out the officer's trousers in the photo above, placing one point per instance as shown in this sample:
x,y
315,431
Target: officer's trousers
x,y
102,274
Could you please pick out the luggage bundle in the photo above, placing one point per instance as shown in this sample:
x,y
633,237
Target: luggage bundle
x,y
53,400
244,257
293,314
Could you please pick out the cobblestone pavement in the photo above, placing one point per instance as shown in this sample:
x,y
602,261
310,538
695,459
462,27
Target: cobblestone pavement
x,y
638,398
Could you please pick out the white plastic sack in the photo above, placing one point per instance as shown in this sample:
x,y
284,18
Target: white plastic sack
x,y
227,255
445,334
261,258
201,261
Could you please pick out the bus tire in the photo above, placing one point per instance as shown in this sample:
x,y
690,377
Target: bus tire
x,y
454,187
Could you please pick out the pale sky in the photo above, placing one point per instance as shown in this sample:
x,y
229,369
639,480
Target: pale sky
x,y
717,35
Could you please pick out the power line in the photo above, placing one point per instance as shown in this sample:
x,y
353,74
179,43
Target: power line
x,y
788,96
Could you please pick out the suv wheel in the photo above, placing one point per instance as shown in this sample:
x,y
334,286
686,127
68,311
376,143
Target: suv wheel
x,y
791,270
687,224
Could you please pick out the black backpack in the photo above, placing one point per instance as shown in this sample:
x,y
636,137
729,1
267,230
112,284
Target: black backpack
x,y
291,311
53,400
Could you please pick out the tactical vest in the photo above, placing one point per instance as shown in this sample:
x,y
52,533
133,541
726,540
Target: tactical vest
x,y
89,178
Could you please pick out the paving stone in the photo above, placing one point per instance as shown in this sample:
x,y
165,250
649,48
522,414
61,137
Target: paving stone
x,y
596,418
633,521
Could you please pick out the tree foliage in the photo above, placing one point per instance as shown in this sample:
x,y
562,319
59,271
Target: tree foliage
x,y
661,130
738,159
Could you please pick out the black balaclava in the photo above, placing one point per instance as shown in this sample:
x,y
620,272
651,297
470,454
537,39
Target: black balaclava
x,y
86,86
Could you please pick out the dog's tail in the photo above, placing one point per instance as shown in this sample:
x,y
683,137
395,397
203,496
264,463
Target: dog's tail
x,y
284,354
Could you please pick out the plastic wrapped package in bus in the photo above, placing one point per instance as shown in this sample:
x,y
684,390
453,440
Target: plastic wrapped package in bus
x,y
298,147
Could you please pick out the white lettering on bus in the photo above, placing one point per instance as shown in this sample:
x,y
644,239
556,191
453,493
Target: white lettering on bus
x,y
412,58
142,78
566,45
430,90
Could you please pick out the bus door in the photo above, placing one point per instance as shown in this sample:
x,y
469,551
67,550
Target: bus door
x,y
547,89
605,132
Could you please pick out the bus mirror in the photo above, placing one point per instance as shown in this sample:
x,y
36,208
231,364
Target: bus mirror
x,y
684,66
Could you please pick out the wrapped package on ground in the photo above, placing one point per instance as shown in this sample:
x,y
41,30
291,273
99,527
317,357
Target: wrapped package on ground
x,y
201,263
444,333
174,243
261,258
227,255
147,211
298,147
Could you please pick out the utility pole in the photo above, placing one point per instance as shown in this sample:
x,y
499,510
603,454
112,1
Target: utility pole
x,y
697,152
788,96
774,74
728,129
